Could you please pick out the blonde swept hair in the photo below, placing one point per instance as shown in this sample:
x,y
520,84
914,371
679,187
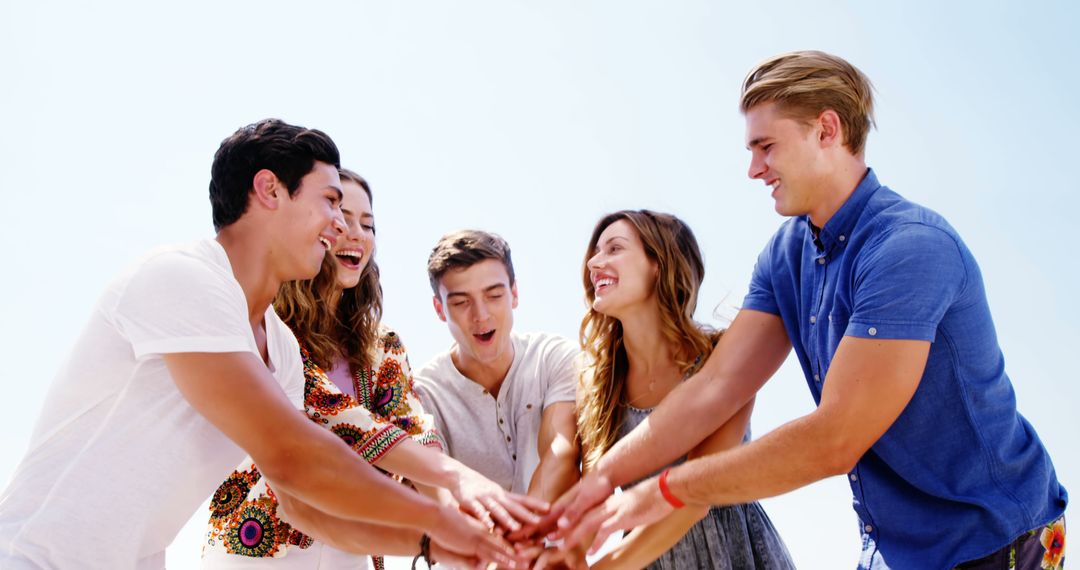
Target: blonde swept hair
x,y
669,243
806,83
351,331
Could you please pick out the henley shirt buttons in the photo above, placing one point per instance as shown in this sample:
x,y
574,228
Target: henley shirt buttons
x,y
821,261
500,421
515,457
528,406
872,331
508,439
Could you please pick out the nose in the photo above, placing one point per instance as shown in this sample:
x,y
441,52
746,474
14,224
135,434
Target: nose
x,y
757,166
594,262
338,223
480,312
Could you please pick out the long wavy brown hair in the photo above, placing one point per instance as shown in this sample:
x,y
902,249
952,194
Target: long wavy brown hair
x,y
350,332
672,246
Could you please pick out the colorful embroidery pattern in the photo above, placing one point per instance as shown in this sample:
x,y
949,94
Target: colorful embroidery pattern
x,y
243,512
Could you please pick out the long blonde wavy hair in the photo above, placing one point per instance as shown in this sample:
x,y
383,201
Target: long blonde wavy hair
x,y
671,245
352,330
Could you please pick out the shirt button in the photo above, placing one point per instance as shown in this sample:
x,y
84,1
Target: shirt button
x,y
821,261
841,238
868,528
500,421
528,406
854,477
872,331
813,319
507,438
817,378
515,457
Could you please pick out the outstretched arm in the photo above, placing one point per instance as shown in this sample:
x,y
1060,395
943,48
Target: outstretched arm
x,y
868,385
303,460
646,543
748,354
559,451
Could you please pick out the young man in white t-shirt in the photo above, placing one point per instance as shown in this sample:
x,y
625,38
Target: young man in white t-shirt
x,y
503,402
184,368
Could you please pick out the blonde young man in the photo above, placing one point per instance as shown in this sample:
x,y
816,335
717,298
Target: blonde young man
x,y
503,402
885,308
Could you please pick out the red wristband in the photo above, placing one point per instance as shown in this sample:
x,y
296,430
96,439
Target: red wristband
x,y
671,499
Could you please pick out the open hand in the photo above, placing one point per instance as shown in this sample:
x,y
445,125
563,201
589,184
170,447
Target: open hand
x,y
491,504
643,504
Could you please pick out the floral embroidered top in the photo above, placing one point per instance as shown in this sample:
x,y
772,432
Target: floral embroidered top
x,y
243,511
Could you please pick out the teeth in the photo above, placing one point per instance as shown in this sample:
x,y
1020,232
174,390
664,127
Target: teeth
x,y
325,242
350,253
605,281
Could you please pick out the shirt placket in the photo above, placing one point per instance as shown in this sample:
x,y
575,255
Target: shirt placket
x,y
821,266
505,427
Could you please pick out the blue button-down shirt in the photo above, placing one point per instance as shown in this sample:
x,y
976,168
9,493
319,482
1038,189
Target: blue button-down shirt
x,y
960,473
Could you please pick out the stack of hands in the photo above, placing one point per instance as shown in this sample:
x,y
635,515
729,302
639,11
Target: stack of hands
x,y
506,530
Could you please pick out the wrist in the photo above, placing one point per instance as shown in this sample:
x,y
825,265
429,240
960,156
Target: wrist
x,y
665,490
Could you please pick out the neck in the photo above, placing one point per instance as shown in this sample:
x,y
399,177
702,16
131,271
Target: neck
x,y
648,352
491,374
837,187
252,270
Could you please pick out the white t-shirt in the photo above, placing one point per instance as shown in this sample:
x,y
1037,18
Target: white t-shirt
x,y
498,436
119,460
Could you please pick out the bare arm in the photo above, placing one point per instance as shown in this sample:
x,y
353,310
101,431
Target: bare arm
x,y
559,452
477,494
646,543
748,354
301,458
868,385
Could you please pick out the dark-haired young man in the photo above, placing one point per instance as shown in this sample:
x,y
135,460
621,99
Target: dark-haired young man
x,y
503,401
184,366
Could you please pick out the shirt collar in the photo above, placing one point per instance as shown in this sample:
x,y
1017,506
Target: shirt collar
x,y
838,228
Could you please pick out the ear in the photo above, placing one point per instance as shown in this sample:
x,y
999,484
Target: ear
x,y
831,133
267,189
435,302
513,296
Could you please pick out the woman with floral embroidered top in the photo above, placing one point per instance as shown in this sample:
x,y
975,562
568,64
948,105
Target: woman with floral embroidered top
x,y
358,385
642,273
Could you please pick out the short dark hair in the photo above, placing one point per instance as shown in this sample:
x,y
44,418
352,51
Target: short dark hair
x,y
289,151
465,248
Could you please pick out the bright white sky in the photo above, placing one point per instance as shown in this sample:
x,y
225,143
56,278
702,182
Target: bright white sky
x,y
532,120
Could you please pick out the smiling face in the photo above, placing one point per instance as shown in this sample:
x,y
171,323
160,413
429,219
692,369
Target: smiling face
x,y
622,275
354,249
309,223
478,302
787,155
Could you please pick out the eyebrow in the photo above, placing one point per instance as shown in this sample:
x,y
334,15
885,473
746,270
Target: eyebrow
x,y
756,142
340,194
609,240
487,289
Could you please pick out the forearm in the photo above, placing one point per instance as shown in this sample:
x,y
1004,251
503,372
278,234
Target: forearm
x,y
794,455
645,544
348,535
320,470
556,473
666,435
421,464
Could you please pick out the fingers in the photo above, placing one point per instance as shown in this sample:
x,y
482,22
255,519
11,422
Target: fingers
x,y
478,512
493,548
593,490
500,514
586,527
452,559
555,511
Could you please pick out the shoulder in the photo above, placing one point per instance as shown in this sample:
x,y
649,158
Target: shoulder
x,y
389,343
544,345
177,268
435,372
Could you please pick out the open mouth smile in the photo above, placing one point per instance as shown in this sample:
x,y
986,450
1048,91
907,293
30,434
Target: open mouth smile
x,y
485,337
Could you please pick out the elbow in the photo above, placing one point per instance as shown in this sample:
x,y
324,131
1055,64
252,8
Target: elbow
x,y
840,457
284,465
